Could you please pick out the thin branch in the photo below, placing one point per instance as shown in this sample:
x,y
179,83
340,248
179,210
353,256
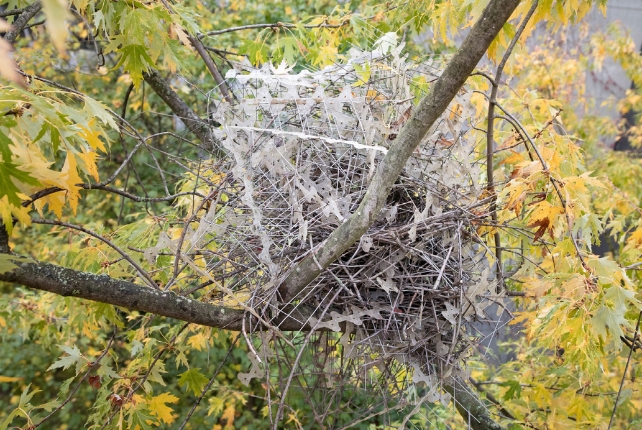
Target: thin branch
x,y
47,191
273,25
12,12
211,66
71,395
626,368
209,384
490,138
195,124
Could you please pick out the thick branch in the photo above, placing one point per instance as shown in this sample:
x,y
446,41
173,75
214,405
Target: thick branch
x,y
21,22
102,288
425,114
470,407
195,124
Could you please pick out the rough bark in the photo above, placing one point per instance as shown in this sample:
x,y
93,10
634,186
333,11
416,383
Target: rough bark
x,y
423,117
470,407
21,22
101,288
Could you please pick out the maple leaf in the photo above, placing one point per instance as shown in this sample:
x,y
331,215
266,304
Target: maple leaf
x,y
198,341
543,225
74,356
228,416
136,61
194,380
72,180
8,187
157,407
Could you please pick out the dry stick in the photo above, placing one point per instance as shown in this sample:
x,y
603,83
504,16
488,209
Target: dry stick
x,y
209,384
490,139
423,117
628,361
126,256
71,395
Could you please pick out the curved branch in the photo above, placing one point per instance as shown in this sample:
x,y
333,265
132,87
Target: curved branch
x,y
423,117
47,191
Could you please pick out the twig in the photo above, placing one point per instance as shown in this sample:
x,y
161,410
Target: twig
x,y
490,138
71,395
135,265
626,368
209,384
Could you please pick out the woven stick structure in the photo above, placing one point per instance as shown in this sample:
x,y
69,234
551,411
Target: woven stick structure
x,y
299,150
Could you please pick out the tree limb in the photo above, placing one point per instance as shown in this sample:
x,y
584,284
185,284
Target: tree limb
x,y
469,406
423,117
195,124
21,22
101,288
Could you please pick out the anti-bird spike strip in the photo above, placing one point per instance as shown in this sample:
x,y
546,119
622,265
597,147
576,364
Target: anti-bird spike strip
x,y
301,149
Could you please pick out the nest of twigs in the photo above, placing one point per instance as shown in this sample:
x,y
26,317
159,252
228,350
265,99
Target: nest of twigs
x,y
301,149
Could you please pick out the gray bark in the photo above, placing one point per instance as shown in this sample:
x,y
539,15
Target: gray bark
x,y
193,122
470,407
101,288
21,22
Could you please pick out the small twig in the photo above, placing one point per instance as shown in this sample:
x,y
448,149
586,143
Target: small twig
x,y
135,265
71,395
626,368
209,384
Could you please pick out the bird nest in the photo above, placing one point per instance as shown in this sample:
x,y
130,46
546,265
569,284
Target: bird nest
x,y
300,152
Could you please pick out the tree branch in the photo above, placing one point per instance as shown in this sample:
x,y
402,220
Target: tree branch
x,y
195,124
101,288
470,407
21,22
423,117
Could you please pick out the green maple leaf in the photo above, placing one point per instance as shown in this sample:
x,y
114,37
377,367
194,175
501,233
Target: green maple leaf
x,y
74,357
194,380
7,185
136,61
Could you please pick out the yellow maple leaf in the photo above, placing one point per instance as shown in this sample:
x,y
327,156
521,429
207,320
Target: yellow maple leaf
x,y
54,202
72,179
228,415
8,211
89,159
157,407
92,136
198,341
